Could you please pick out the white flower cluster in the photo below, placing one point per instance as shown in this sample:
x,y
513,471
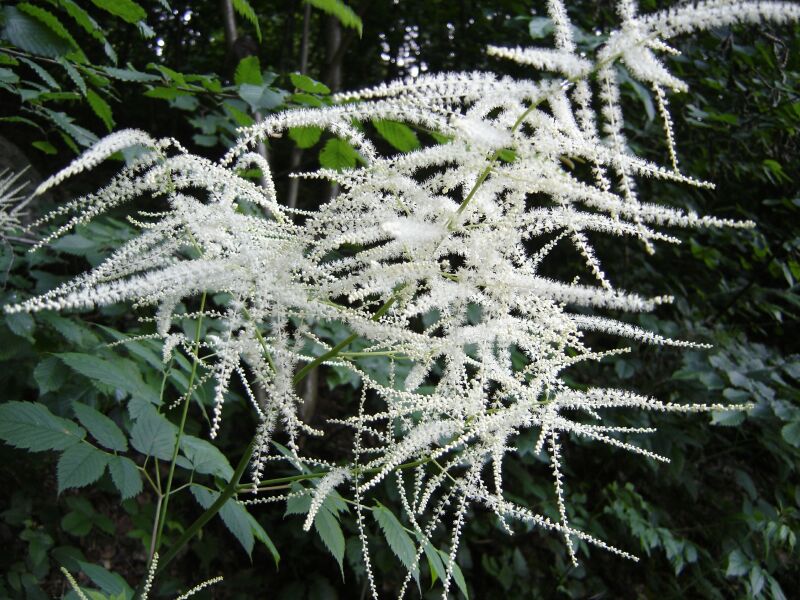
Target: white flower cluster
x,y
11,203
434,256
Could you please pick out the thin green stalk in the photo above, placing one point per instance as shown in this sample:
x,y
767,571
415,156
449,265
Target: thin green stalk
x,y
496,154
333,352
317,474
154,532
149,479
476,186
367,354
212,510
162,515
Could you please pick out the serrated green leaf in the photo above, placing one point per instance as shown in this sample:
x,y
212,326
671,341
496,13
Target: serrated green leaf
x,y
642,93
458,577
330,532
8,76
31,35
727,418
89,593
233,514
756,580
45,147
130,74
296,503
738,564
101,108
305,137
75,332
80,465
171,75
21,324
399,135
84,134
775,590
75,244
51,22
126,476
89,25
43,74
127,10
109,582
164,93
262,537
145,30
81,505
438,560
209,141
539,27
205,457
736,395
21,120
211,84
69,141
118,373
79,134
260,97
103,429
334,503
76,523
338,155
31,426
307,99
305,83
791,433
435,563
50,374
153,435
746,482
73,74
248,71
341,11
242,118
185,102
397,537
243,8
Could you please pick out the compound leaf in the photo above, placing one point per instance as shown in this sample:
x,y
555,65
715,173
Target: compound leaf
x,y
103,429
80,465
31,426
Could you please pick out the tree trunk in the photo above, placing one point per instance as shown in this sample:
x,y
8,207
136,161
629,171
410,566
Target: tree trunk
x,y
297,154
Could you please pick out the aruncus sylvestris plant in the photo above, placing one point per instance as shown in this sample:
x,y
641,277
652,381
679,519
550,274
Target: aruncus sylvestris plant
x,y
410,250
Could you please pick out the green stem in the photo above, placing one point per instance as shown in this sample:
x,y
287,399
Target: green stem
x,y
212,510
316,475
333,352
476,186
367,354
451,224
162,515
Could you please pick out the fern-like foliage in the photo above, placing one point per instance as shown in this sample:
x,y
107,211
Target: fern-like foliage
x,y
435,236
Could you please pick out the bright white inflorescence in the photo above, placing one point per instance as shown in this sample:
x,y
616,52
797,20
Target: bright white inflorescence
x,y
432,256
